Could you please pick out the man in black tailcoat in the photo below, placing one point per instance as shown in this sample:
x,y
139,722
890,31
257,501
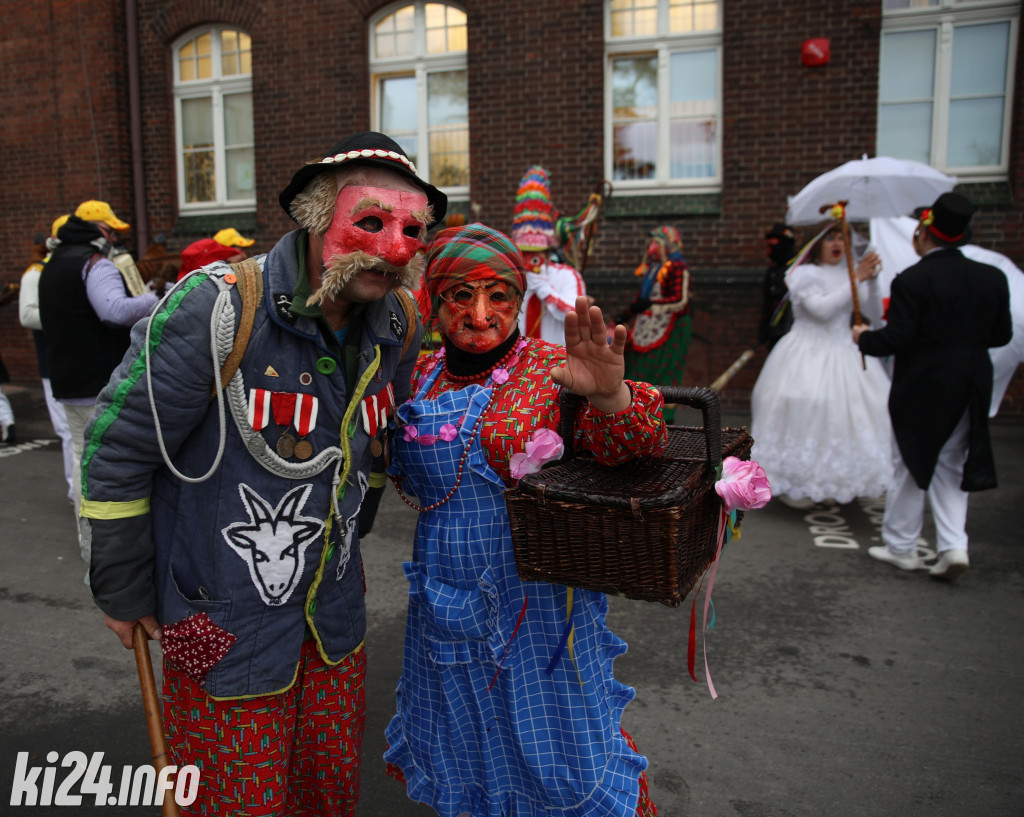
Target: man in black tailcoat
x,y
944,314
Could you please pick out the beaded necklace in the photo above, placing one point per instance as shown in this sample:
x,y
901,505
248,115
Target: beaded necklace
x,y
466,379
497,375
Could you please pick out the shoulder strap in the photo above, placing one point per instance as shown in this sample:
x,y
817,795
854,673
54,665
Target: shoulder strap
x,y
409,306
250,288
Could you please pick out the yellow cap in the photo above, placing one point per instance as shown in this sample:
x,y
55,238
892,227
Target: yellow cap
x,y
229,237
100,211
57,224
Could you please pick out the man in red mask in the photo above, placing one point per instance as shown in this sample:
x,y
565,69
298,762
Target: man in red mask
x,y
237,544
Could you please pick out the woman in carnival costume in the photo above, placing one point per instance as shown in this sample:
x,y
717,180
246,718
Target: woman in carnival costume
x,y
818,409
507,705
659,337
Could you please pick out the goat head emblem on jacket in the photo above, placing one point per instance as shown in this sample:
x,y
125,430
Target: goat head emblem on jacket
x,y
273,542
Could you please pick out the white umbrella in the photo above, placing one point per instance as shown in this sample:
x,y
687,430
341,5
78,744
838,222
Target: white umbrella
x,y
873,188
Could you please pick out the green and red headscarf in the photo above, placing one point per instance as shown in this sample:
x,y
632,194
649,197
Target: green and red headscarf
x,y
472,253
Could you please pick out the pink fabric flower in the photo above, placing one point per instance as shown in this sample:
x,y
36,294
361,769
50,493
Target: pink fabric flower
x,y
499,376
410,433
426,439
744,485
544,446
448,432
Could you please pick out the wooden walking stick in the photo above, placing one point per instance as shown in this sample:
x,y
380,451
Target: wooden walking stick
x,y
728,374
151,705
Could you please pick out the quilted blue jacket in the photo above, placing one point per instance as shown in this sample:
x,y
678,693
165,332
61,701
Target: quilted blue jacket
x,y
267,545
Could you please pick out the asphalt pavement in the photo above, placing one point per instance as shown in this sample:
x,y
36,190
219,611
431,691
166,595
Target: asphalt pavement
x,y
846,688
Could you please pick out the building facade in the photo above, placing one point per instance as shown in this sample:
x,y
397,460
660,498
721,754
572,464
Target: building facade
x,y
191,115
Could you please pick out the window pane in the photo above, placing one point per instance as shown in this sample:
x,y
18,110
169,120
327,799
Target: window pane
x,y
447,98
633,18
908,4
445,28
634,117
975,132
240,175
907,66
204,65
399,116
186,61
448,121
692,15
636,149
197,123
399,107
194,59
238,119
236,55
693,114
905,131
200,180
394,34
635,86
979,59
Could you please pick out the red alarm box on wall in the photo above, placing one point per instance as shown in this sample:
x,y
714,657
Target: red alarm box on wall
x,y
814,51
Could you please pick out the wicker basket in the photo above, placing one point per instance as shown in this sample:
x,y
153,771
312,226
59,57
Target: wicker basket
x,y
644,530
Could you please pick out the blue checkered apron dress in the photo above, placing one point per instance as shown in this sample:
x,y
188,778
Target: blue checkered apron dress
x,y
494,717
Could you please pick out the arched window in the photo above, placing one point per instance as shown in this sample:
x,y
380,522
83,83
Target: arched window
x,y
663,94
420,90
213,121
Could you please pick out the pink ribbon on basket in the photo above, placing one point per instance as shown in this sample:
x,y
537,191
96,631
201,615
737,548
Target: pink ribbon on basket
x,y
743,486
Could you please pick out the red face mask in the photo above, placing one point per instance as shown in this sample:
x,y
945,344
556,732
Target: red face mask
x,y
534,260
381,222
654,251
478,316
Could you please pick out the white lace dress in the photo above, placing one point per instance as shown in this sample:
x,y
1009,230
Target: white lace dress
x,y
820,420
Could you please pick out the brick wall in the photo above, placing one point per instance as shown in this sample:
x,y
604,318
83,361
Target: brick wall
x,y
536,96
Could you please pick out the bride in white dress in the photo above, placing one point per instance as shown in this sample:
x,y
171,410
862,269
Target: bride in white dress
x,y
819,414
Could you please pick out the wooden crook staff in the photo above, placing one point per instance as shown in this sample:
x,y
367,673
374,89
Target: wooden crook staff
x,y
151,705
840,206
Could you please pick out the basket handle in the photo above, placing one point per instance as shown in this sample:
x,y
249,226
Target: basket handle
x,y
710,405
707,400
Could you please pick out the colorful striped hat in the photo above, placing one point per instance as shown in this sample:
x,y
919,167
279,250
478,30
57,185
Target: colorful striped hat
x,y
533,221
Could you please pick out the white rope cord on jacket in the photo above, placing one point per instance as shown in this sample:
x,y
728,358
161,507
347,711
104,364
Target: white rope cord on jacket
x,y
220,347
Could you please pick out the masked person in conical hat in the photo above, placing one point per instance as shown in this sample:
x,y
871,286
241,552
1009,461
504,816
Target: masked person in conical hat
x,y
235,540
552,287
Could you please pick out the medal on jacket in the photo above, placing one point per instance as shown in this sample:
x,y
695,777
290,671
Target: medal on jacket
x,y
282,404
259,408
375,411
306,407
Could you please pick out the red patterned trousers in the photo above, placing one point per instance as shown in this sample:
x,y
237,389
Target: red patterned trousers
x,y
295,753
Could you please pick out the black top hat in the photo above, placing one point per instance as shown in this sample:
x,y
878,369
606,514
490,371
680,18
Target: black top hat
x,y
365,148
948,219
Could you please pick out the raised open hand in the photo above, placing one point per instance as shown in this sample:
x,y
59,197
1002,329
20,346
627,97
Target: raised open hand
x,y
593,368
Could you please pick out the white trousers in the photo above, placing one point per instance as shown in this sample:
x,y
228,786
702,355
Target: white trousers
x,y
904,501
6,412
78,418
60,427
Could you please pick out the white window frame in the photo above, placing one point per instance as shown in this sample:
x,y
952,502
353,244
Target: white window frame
x,y
663,46
942,19
420,65
214,89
